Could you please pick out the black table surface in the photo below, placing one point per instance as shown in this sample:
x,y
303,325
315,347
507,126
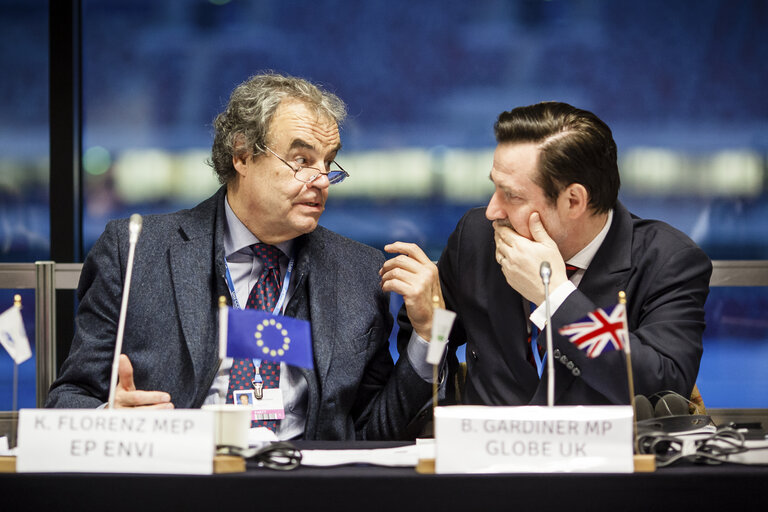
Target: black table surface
x,y
368,488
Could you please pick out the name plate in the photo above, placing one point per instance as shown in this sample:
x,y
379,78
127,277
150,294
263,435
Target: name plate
x,y
177,441
533,439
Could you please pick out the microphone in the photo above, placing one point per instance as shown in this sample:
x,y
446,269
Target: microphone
x,y
545,271
134,228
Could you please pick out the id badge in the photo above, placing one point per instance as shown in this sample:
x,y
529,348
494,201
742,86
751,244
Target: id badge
x,y
270,407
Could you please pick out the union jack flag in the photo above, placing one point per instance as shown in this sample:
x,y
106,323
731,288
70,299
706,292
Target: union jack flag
x,y
600,330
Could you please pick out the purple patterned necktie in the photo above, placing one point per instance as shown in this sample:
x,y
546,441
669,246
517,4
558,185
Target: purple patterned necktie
x,y
263,296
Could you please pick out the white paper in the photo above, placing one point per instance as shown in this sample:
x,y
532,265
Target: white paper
x,y
402,456
259,436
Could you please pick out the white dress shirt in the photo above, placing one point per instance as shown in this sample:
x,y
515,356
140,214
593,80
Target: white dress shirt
x,y
582,260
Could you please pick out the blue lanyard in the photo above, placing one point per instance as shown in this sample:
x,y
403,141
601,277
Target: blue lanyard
x,y
283,289
278,306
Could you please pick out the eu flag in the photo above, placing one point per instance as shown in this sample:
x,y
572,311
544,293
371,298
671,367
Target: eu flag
x,y
259,334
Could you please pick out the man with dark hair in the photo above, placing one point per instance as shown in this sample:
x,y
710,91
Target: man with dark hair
x,y
257,238
556,185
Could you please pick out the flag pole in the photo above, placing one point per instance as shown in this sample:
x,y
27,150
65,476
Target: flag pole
x,y
16,304
627,354
223,324
435,305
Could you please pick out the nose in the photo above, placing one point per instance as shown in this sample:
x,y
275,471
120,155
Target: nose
x,y
494,211
321,182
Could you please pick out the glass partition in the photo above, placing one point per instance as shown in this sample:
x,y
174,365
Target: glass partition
x,y
24,168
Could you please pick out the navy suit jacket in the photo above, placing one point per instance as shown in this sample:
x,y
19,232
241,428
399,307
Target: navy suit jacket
x,y
355,390
666,279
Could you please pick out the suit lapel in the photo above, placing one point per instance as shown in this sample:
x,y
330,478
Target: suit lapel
x,y
196,265
609,271
321,289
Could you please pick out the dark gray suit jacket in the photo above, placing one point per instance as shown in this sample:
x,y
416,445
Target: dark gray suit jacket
x,y
665,276
171,329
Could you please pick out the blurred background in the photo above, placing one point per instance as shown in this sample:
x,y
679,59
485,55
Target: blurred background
x,y
680,83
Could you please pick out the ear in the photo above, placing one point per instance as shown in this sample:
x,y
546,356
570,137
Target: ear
x,y
574,200
239,163
240,154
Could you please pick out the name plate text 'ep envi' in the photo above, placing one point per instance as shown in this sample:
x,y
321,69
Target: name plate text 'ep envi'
x,y
177,441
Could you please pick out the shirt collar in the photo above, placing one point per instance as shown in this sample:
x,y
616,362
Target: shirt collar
x,y
584,257
238,237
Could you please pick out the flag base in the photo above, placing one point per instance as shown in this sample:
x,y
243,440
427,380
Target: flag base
x,y
645,463
426,466
228,464
221,464
7,464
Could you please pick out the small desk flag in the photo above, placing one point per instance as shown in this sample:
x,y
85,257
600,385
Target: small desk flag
x,y
601,330
13,336
252,333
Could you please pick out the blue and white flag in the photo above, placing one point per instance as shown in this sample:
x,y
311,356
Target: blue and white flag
x,y
13,336
256,334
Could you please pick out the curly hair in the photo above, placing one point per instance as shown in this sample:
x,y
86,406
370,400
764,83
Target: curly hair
x,y
241,129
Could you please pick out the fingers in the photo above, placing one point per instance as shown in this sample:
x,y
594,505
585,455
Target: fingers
x,y
538,232
413,275
408,249
126,394
144,399
125,374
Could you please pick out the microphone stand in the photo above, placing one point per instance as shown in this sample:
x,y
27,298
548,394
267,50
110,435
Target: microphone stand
x,y
134,228
545,271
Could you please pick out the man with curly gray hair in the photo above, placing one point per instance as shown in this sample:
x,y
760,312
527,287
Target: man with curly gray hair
x,y
258,243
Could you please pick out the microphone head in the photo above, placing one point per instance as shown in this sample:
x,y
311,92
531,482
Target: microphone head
x,y
671,404
545,271
134,227
643,408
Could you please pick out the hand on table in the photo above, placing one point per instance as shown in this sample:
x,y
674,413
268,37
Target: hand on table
x,y
126,394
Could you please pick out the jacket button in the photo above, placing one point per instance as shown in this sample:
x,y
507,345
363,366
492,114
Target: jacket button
x,y
564,359
576,372
570,365
556,353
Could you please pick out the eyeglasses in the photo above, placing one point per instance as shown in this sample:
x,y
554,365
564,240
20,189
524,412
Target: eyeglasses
x,y
335,173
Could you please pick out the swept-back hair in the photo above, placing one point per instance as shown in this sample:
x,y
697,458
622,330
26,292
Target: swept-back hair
x,y
575,147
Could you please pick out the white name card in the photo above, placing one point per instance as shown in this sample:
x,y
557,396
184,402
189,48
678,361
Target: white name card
x,y
115,441
533,439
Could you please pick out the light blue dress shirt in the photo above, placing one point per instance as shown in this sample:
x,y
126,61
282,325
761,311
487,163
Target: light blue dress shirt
x,y
245,270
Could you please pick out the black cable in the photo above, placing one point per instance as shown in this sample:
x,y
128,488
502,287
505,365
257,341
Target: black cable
x,y
281,455
716,448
